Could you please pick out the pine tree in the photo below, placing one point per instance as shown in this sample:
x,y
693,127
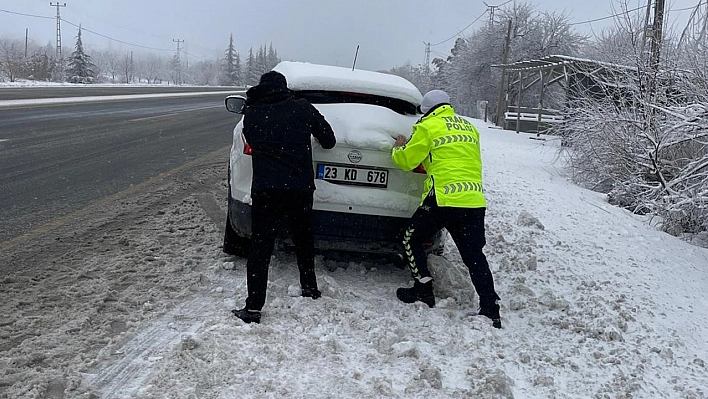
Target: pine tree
x,y
80,68
252,73
238,71
176,68
40,66
231,66
261,61
272,58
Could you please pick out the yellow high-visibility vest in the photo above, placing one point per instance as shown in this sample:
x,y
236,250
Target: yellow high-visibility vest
x,y
448,148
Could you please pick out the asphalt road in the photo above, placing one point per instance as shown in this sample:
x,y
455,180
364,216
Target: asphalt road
x,y
25,93
56,159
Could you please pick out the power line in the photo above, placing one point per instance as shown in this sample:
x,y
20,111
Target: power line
x,y
115,40
133,30
688,8
606,17
83,28
193,56
25,15
463,29
632,10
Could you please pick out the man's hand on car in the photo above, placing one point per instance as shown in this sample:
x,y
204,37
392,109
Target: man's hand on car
x,y
400,141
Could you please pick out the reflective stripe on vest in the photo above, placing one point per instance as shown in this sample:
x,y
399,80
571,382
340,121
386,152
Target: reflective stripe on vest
x,y
460,187
454,138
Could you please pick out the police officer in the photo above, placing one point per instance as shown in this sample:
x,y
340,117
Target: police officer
x,y
448,148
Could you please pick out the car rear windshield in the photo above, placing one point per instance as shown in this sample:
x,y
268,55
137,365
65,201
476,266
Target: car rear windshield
x,y
337,97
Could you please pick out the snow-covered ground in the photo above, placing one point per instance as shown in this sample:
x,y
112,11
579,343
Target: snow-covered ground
x,y
595,304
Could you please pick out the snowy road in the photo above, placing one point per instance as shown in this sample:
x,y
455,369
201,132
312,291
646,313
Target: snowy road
x,y
132,300
57,158
72,90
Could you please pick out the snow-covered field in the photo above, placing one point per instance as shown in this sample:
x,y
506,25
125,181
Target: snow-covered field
x,y
595,304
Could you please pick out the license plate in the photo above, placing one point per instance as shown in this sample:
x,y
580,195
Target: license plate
x,y
351,175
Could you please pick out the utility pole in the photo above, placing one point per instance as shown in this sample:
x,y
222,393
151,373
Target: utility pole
x,y
26,34
179,67
491,10
426,77
657,34
498,119
646,32
57,5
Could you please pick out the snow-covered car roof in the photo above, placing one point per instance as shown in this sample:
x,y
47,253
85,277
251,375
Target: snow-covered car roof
x,y
306,76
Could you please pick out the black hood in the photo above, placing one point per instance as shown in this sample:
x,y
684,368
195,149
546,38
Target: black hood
x,y
267,93
272,88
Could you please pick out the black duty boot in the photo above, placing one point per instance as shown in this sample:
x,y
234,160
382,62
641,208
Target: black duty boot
x,y
419,292
490,309
313,293
248,316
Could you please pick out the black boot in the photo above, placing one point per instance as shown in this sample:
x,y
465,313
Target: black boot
x,y
313,293
490,309
419,292
248,316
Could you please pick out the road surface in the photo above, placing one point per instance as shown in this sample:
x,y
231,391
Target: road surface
x,y
57,159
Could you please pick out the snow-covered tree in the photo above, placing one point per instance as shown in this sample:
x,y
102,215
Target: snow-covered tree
x,y
467,74
230,74
252,72
40,65
176,69
414,74
640,133
261,64
80,68
151,67
272,58
126,67
11,60
204,73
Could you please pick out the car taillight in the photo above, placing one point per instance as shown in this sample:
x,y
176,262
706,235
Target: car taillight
x,y
419,169
246,148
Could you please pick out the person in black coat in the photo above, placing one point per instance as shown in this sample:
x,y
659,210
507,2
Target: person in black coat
x,y
279,128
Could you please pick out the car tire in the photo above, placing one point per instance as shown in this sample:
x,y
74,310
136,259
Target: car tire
x,y
234,243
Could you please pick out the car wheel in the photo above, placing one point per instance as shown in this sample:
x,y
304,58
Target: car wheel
x,y
235,244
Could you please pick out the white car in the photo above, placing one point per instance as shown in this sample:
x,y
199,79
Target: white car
x,y
362,201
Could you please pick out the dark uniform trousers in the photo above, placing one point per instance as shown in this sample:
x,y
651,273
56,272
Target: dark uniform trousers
x,y
466,226
268,209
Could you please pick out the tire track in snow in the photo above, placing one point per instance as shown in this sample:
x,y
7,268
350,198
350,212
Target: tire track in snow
x,y
125,378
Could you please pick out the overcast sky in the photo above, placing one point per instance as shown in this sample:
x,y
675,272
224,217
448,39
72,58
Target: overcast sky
x,y
390,32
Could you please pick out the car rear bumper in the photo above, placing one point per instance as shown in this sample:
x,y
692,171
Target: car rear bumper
x,y
337,230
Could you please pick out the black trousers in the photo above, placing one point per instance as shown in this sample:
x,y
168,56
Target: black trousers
x,y
268,210
466,226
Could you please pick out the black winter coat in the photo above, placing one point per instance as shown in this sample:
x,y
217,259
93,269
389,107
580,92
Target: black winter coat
x,y
278,128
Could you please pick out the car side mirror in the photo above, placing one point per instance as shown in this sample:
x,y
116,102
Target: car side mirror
x,y
235,104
